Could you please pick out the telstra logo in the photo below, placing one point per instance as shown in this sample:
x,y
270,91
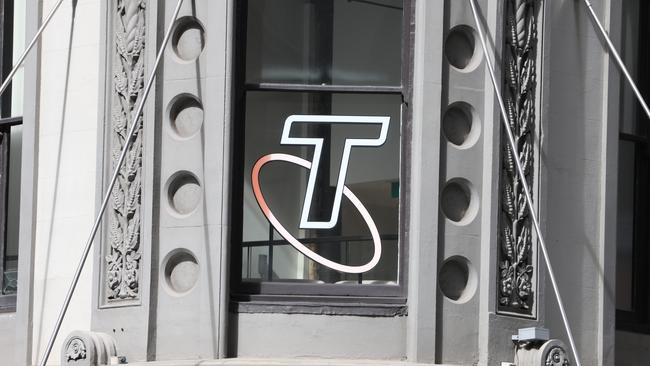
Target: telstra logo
x,y
341,189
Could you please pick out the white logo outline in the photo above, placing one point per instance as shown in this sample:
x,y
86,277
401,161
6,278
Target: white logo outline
x,y
318,148
341,189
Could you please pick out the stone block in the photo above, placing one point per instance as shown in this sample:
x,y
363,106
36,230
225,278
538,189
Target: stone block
x,y
88,349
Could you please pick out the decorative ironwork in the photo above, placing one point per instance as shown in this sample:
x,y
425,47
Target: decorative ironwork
x,y
516,270
123,257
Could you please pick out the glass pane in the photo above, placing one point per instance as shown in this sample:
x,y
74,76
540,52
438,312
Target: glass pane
x,y
625,229
338,42
17,85
630,53
10,264
372,175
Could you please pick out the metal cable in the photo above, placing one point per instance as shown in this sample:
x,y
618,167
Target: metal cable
x,y
522,177
617,57
22,58
109,189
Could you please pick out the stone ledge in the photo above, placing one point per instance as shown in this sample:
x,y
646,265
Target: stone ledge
x,y
279,362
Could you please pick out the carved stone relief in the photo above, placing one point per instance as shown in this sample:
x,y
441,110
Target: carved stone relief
x,y
516,266
82,348
123,235
76,350
549,353
557,357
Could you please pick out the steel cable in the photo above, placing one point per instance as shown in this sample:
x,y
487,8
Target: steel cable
x,y
109,189
522,177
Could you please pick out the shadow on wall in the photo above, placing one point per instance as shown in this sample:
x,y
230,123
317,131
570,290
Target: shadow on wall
x,y
41,308
571,154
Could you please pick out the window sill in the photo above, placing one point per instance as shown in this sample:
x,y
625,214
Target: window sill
x,y
370,307
7,304
640,328
279,362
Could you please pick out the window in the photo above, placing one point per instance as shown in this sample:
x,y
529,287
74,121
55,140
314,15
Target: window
x,y
10,151
10,158
328,71
633,256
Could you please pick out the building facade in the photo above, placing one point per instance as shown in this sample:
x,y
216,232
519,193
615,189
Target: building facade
x,y
324,181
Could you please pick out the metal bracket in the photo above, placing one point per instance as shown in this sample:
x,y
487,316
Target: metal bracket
x,y
531,335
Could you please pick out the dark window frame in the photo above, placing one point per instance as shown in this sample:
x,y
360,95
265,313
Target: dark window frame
x,y
375,300
7,302
638,320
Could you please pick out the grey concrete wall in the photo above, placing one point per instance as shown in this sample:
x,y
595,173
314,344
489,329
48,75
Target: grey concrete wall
x,y
8,336
63,49
66,168
319,336
576,150
50,215
191,216
459,263
424,186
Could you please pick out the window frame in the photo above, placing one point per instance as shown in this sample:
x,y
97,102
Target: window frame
x,y
7,302
638,319
376,300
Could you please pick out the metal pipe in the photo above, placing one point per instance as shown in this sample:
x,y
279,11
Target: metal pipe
x,y
522,177
109,189
617,57
22,58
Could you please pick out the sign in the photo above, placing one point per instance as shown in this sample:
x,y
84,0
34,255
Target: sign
x,y
341,189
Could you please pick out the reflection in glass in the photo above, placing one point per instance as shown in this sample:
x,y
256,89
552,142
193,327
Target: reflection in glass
x,y
630,54
373,176
337,42
625,228
8,282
